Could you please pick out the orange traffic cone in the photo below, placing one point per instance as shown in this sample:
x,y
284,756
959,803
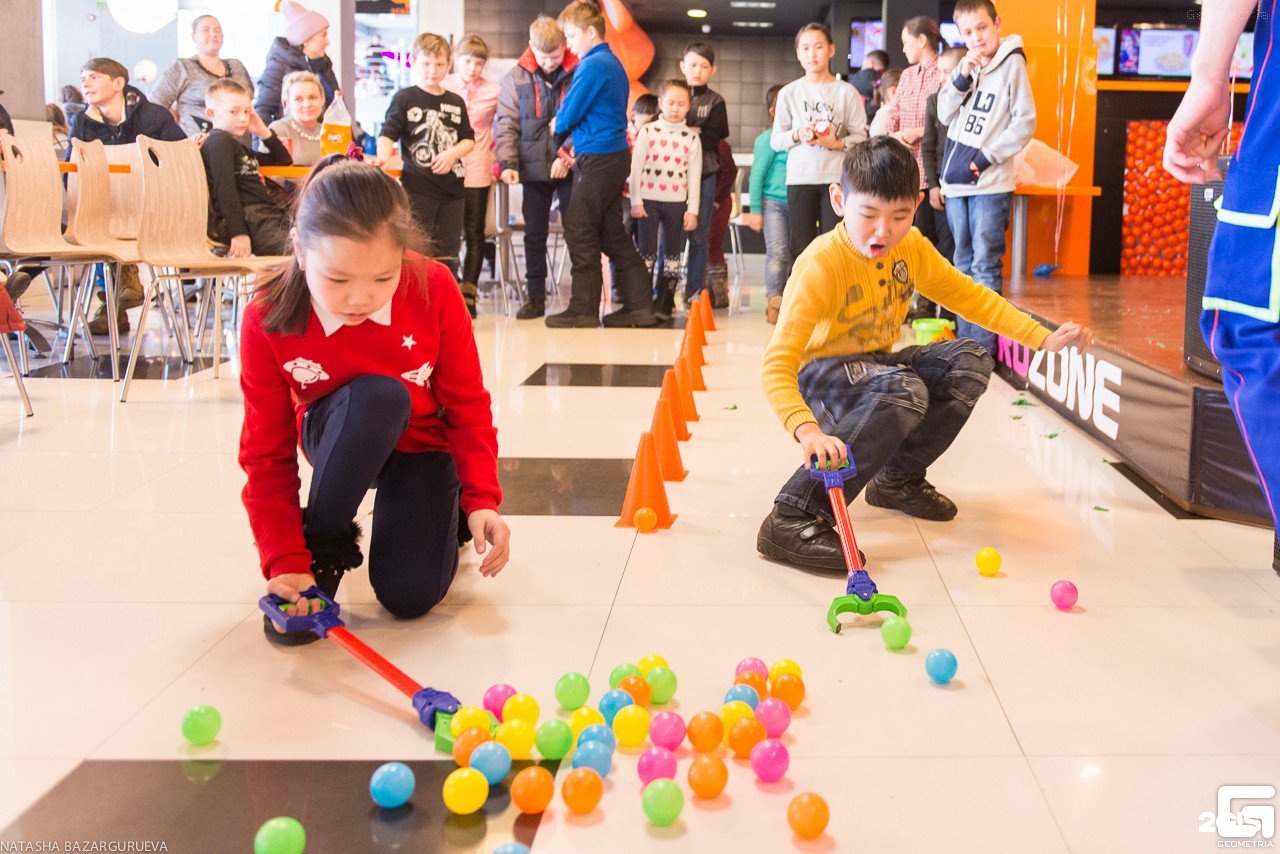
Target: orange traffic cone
x,y
708,318
695,372
693,331
685,384
695,354
671,394
645,488
664,438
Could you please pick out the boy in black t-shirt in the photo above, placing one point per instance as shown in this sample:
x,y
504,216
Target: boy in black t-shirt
x,y
246,217
434,132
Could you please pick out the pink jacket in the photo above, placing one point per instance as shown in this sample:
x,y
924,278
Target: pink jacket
x,y
481,97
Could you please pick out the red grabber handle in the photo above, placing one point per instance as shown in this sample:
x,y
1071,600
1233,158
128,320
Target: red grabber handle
x,y
375,662
844,527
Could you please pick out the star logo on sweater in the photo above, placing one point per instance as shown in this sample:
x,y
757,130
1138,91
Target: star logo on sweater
x,y
408,342
419,376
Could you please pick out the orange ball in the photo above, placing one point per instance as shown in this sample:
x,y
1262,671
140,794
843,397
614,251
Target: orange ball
x,y
746,734
808,815
638,688
645,519
705,731
532,789
708,775
755,680
789,688
467,741
582,790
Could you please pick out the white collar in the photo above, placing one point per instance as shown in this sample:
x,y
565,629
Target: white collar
x,y
331,323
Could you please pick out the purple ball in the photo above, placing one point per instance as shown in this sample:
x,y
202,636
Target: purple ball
x,y
753,664
775,715
667,729
496,696
770,760
1064,595
656,763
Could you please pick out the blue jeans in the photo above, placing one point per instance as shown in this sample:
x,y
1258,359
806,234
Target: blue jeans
x,y
777,248
978,224
696,279
896,411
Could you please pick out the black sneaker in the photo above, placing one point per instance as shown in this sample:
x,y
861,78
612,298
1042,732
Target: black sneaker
x,y
637,318
17,284
803,541
916,498
571,319
531,310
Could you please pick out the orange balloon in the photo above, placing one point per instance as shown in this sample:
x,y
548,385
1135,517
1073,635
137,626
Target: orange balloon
x,y
808,815
532,789
746,734
708,776
638,688
789,689
582,790
705,731
467,741
755,680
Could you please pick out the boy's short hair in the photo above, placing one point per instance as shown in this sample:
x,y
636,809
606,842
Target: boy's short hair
x,y
881,167
771,96
877,56
545,34
224,86
971,6
702,49
109,67
473,45
584,15
433,44
646,103
815,27
957,53
674,83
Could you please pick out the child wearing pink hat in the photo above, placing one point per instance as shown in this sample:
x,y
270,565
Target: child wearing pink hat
x,y
302,48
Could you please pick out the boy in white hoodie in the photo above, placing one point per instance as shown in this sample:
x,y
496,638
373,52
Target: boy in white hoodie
x,y
990,115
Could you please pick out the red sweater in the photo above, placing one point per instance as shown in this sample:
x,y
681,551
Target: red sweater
x,y
429,344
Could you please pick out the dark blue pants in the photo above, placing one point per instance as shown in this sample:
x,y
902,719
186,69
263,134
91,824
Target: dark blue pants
x,y
896,411
350,438
593,226
660,237
536,208
696,279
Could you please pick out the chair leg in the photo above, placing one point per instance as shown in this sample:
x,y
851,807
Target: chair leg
x,y
17,374
217,326
137,342
78,316
113,318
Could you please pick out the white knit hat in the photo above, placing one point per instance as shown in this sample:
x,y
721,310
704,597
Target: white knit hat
x,y
300,23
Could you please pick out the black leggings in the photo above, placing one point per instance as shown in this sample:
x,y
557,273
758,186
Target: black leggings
x,y
474,209
350,437
809,213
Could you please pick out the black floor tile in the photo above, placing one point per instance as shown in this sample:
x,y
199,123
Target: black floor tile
x,y
542,486
616,376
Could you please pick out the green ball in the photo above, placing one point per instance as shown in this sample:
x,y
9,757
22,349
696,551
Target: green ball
x,y
662,685
572,691
622,671
281,835
896,631
663,801
554,739
201,724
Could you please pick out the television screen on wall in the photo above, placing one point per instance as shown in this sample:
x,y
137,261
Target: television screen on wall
x,y
1104,39
864,37
1166,53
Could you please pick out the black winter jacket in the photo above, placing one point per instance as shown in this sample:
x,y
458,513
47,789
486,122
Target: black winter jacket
x,y
141,118
282,59
527,101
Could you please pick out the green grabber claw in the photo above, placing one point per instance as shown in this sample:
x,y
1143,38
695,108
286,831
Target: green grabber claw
x,y
854,604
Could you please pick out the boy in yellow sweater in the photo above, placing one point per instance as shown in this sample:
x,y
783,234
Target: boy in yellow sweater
x,y
831,376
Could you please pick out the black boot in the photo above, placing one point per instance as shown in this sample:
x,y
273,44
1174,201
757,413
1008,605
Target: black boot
x,y
1275,555
792,536
915,497
330,558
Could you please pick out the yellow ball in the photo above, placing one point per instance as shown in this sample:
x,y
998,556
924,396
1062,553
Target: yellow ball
x,y
784,665
582,718
520,707
468,717
988,561
731,713
631,725
649,662
517,736
465,791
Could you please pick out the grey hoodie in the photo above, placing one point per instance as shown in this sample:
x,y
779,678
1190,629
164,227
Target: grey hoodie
x,y
990,117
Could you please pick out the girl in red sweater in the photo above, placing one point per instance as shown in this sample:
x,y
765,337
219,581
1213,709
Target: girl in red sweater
x,y
362,352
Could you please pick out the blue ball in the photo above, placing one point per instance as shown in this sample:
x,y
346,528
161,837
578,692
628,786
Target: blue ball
x,y
940,665
391,785
743,693
594,754
600,733
612,702
493,760
512,848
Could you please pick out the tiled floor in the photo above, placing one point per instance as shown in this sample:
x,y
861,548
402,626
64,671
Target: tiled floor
x,y
128,586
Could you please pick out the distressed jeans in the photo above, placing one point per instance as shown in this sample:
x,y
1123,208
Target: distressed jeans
x,y
978,225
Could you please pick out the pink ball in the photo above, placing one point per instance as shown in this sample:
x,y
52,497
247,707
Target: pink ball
x,y
667,730
775,715
1064,595
656,763
496,697
753,664
770,760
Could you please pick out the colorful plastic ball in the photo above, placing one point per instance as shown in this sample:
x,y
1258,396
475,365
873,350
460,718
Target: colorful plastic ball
x,y
468,741
280,835
706,731
517,737
493,760
572,691
613,702
1064,595
770,760
662,684
465,791
708,775
469,717
496,697
631,725
638,688
789,689
520,707
895,631
582,718
940,665
656,763
752,665
532,789
554,739
645,519
667,729
201,724
600,733
744,736
594,754
988,561
649,662
731,713
755,680
784,665
392,785
581,790
622,671
775,715
663,802
808,815
512,848
743,693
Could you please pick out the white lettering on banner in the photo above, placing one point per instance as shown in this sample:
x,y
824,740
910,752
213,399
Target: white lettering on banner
x,y
1081,385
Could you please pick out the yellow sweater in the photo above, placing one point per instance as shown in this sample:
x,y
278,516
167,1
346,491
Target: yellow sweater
x,y
839,302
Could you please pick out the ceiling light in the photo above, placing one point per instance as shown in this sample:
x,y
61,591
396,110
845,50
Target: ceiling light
x,y
759,25
752,4
697,13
